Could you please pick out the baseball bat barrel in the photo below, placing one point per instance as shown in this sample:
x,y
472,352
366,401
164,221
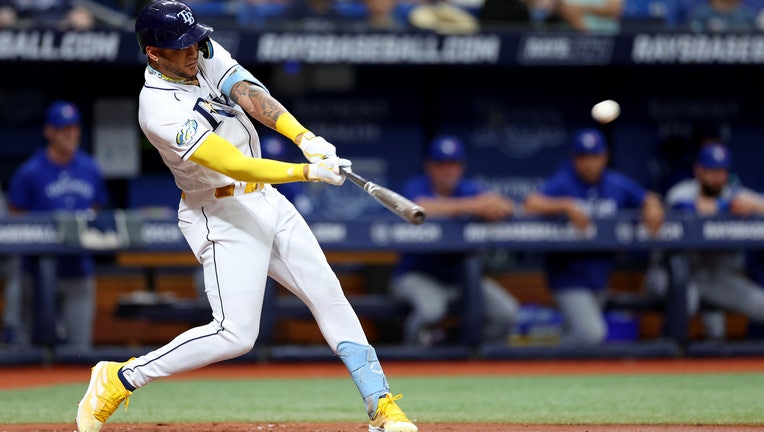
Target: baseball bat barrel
x,y
396,203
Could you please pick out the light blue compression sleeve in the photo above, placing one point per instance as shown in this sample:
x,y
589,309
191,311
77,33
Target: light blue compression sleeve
x,y
240,74
364,367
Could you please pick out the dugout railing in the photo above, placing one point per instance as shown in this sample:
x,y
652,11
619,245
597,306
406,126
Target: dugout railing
x,y
47,235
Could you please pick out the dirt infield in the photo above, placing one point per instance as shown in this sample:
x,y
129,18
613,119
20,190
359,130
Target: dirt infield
x,y
21,377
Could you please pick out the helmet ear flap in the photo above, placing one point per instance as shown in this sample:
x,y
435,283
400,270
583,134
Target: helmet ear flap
x,y
205,46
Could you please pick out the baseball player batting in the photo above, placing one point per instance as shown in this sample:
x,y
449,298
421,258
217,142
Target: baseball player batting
x,y
194,109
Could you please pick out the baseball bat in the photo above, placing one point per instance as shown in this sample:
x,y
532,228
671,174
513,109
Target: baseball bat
x,y
399,205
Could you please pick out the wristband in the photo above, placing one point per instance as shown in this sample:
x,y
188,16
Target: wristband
x,y
288,126
300,172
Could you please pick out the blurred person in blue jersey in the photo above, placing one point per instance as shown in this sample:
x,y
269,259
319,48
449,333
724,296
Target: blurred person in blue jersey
x,y
430,282
718,277
581,190
61,177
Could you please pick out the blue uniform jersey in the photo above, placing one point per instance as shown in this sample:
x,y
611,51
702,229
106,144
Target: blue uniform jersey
x,y
41,185
446,267
613,192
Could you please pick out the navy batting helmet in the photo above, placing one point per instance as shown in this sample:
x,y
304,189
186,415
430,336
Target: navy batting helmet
x,y
171,24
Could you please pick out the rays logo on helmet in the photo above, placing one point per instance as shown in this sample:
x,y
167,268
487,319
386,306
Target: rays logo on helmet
x,y
186,133
186,16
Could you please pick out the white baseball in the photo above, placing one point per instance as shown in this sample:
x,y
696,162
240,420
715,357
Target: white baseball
x,y
606,111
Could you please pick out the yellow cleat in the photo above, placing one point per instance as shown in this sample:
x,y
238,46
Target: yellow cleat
x,y
105,393
389,417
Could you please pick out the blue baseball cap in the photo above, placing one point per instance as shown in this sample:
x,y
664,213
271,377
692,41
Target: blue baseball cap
x,y
61,114
715,155
446,148
588,141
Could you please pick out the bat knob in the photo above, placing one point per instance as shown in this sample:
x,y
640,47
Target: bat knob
x,y
418,216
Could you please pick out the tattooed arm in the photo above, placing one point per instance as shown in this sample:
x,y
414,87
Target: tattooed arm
x,y
268,111
256,102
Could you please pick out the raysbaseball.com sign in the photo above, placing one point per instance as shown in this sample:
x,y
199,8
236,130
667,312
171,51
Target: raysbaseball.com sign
x,y
36,45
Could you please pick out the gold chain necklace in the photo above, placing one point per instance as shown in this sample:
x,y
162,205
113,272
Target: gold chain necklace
x,y
187,81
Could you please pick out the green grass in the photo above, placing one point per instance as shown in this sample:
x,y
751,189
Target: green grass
x,y
613,399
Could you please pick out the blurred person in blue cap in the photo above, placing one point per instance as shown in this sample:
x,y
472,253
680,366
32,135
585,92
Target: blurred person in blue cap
x,y
430,282
584,189
60,177
717,278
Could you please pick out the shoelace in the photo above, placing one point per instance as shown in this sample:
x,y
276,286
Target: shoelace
x,y
110,404
390,409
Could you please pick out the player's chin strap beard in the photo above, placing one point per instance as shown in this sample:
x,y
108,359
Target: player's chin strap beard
x,y
186,81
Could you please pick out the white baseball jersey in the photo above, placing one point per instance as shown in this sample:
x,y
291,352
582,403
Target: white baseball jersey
x,y
176,118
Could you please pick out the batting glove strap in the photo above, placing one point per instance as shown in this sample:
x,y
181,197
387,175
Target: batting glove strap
x,y
327,171
317,148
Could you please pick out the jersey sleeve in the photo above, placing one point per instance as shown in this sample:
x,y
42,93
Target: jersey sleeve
x,y
682,196
555,186
225,70
470,188
176,135
416,188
